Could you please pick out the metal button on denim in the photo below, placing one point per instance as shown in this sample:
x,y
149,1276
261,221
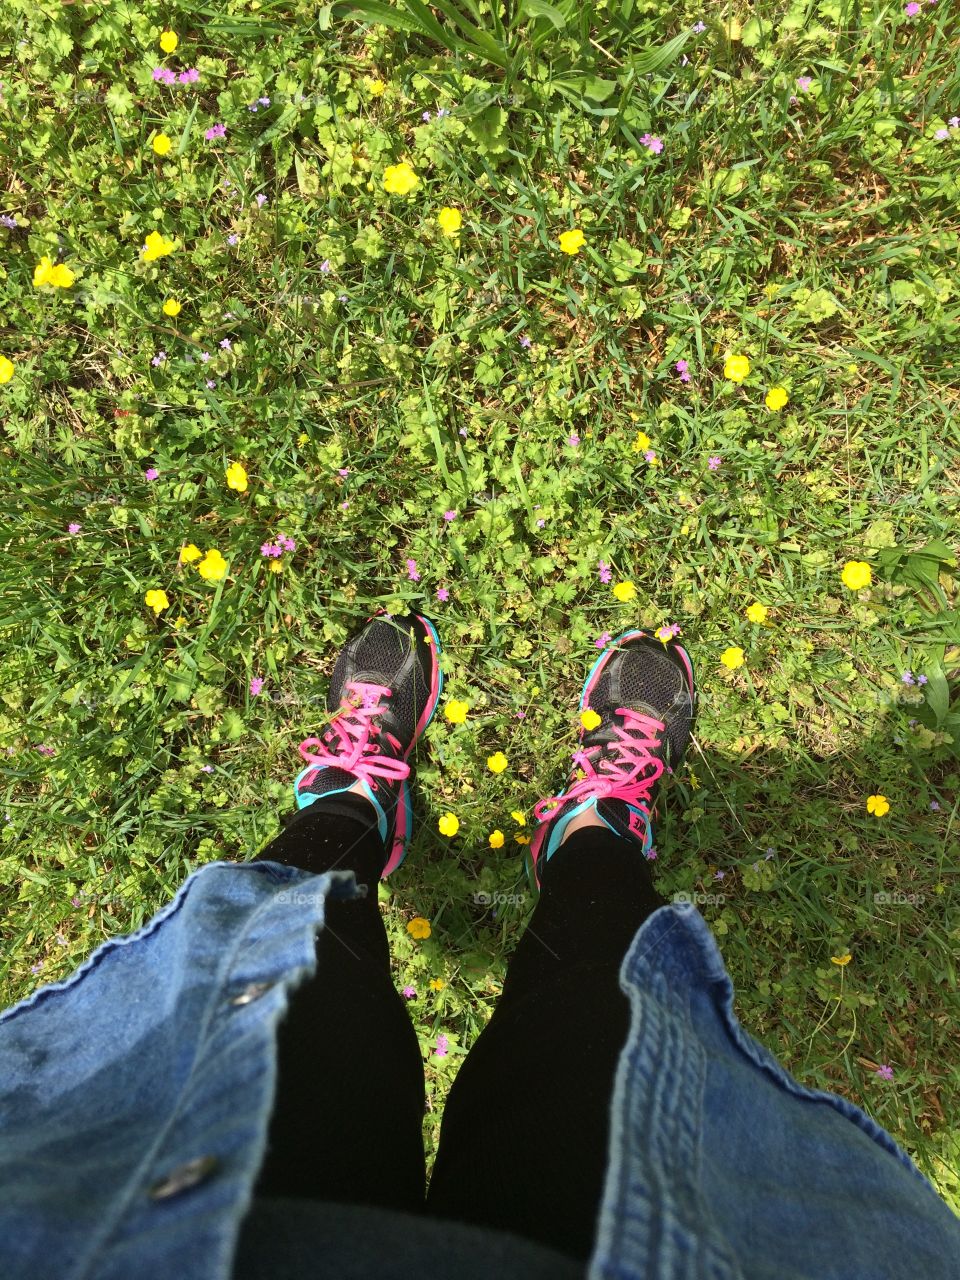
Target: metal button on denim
x,y
252,992
184,1176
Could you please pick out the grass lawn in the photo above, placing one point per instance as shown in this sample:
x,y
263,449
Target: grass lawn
x,y
468,415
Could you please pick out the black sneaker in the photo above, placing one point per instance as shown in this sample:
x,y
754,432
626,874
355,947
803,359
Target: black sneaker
x,y
643,691
383,692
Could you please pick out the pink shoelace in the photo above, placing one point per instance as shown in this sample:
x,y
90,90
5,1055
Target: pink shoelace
x,y
353,725
629,772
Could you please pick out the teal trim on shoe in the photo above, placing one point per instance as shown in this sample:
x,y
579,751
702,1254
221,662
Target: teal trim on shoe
x,y
560,826
307,798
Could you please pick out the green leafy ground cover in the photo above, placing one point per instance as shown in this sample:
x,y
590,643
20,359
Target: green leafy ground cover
x,y
780,185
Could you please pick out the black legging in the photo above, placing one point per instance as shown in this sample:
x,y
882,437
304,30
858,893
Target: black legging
x,y
523,1141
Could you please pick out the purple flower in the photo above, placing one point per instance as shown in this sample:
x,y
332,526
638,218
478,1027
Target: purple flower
x,y
907,677
158,73
164,75
718,875
425,116
206,768
651,855
683,369
604,570
601,642
226,344
442,111
573,440
954,122
35,968
921,679
713,462
159,358
699,26
462,431
449,515
650,455
884,1071
342,297
804,83
942,134
410,993
934,806
541,523
45,750
8,221
211,383
525,340
151,473
441,1049
264,102
75,902
520,715
651,143
288,543
325,266
256,684
344,471
268,549
443,593
912,9
412,571
344,505
189,77
233,238
215,131
204,356
73,527
261,200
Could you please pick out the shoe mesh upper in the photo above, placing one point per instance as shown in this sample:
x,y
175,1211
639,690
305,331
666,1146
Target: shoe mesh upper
x,y
376,656
652,682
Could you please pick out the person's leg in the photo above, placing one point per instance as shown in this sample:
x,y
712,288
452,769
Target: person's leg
x,y
523,1141
347,1120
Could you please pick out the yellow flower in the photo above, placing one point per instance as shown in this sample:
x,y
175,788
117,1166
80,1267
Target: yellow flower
x,y
212,566
237,477
776,398
180,623
496,839
519,819
302,438
451,220
275,566
449,824
878,805
757,612
642,443
157,600
589,719
190,553
60,277
456,712
497,762
736,368
856,574
624,591
732,658
522,839
156,247
162,144
376,87
399,179
571,241
437,984
172,307
419,928
841,960
168,41
771,290
6,369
